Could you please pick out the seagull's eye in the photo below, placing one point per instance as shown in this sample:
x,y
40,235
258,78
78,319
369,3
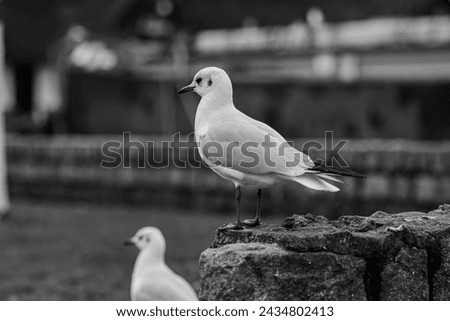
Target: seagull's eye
x,y
141,237
199,80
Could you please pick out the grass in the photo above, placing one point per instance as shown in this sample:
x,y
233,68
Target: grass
x,y
74,251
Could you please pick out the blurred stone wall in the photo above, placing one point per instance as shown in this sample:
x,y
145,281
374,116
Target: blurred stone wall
x,y
402,175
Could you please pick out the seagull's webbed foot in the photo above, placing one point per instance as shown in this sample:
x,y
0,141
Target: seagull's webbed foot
x,y
232,226
251,222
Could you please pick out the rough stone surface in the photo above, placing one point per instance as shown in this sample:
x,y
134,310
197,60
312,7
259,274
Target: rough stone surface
x,y
441,281
257,271
403,256
406,277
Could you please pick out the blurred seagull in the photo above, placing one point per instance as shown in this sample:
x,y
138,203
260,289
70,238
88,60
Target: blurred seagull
x,y
152,279
246,151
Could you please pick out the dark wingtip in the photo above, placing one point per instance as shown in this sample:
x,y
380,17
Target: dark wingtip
x,y
337,170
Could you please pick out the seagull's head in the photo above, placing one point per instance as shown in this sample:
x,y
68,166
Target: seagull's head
x,y
209,80
148,238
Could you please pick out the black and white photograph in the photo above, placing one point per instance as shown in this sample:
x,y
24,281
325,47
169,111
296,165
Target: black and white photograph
x,y
290,151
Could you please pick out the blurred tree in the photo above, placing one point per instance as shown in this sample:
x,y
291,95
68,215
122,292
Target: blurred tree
x,y
209,14
122,15
30,28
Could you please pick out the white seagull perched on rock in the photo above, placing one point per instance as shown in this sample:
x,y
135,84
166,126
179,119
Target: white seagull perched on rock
x,y
245,151
152,279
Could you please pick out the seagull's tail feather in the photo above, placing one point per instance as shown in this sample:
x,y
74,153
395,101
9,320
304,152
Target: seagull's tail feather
x,y
329,177
315,182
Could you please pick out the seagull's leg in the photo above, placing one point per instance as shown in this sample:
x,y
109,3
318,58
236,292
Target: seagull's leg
x,y
238,224
255,221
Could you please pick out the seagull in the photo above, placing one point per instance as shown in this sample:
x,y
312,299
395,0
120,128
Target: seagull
x,y
152,279
248,152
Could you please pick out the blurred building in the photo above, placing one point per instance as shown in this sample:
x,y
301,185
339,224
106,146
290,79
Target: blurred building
x,y
384,77
390,60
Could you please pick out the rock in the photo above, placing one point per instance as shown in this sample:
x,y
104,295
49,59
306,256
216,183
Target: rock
x,y
441,281
406,277
403,256
257,271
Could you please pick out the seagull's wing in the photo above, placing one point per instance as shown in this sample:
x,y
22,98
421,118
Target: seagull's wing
x,y
265,127
251,147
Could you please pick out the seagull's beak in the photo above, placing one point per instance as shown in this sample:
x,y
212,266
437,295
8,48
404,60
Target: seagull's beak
x,y
128,242
186,89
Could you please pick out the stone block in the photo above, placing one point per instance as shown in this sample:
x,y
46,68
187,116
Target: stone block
x,y
404,256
